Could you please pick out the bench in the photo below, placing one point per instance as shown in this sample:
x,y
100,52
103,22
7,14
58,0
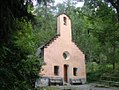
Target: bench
x,y
75,81
55,81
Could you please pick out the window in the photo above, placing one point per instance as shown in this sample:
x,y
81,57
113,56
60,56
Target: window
x,y
75,71
66,55
65,20
56,70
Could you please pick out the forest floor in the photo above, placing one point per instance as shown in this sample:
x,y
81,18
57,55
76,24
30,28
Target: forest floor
x,y
95,86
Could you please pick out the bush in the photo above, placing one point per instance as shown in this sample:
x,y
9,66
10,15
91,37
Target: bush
x,y
93,76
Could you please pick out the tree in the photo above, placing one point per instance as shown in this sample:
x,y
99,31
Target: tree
x,y
44,26
19,65
104,22
95,3
107,31
115,4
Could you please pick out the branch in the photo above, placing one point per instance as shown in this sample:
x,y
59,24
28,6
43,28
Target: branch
x,y
113,3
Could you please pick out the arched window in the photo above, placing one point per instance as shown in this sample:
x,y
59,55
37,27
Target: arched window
x,y
65,20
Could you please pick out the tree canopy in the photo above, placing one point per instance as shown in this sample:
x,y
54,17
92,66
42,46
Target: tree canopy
x,y
23,28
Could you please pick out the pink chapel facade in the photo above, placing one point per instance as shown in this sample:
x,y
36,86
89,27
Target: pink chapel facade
x,y
64,61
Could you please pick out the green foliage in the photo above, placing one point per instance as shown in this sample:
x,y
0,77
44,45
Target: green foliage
x,y
24,36
19,65
93,76
95,30
44,27
93,73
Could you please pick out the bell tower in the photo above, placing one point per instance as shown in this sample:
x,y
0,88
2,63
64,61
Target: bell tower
x,y
64,26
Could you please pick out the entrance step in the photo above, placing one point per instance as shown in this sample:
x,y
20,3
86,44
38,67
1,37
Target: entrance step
x,y
66,84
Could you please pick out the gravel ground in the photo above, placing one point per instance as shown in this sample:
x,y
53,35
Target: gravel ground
x,y
83,87
105,89
80,87
102,87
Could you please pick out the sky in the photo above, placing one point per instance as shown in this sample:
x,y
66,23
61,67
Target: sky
x,y
79,4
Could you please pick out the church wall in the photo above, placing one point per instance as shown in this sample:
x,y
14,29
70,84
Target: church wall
x,y
53,54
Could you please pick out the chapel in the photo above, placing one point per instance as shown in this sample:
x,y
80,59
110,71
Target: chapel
x,y
64,62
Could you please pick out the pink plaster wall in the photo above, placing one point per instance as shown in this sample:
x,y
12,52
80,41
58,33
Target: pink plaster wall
x,y
53,54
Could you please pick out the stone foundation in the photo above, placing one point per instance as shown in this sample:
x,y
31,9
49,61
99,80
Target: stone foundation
x,y
44,81
47,81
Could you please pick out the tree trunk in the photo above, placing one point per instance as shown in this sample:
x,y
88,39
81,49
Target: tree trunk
x,y
114,51
113,65
118,13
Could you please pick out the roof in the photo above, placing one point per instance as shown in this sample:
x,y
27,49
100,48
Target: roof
x,y
50,41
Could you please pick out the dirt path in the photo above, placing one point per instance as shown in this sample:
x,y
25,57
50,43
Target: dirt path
x,y
79,87
102,87
84,87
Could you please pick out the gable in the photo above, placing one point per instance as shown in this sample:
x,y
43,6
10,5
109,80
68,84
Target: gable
x,y
63,39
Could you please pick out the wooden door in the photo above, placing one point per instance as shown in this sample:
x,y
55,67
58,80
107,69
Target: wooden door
x,y
66,73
